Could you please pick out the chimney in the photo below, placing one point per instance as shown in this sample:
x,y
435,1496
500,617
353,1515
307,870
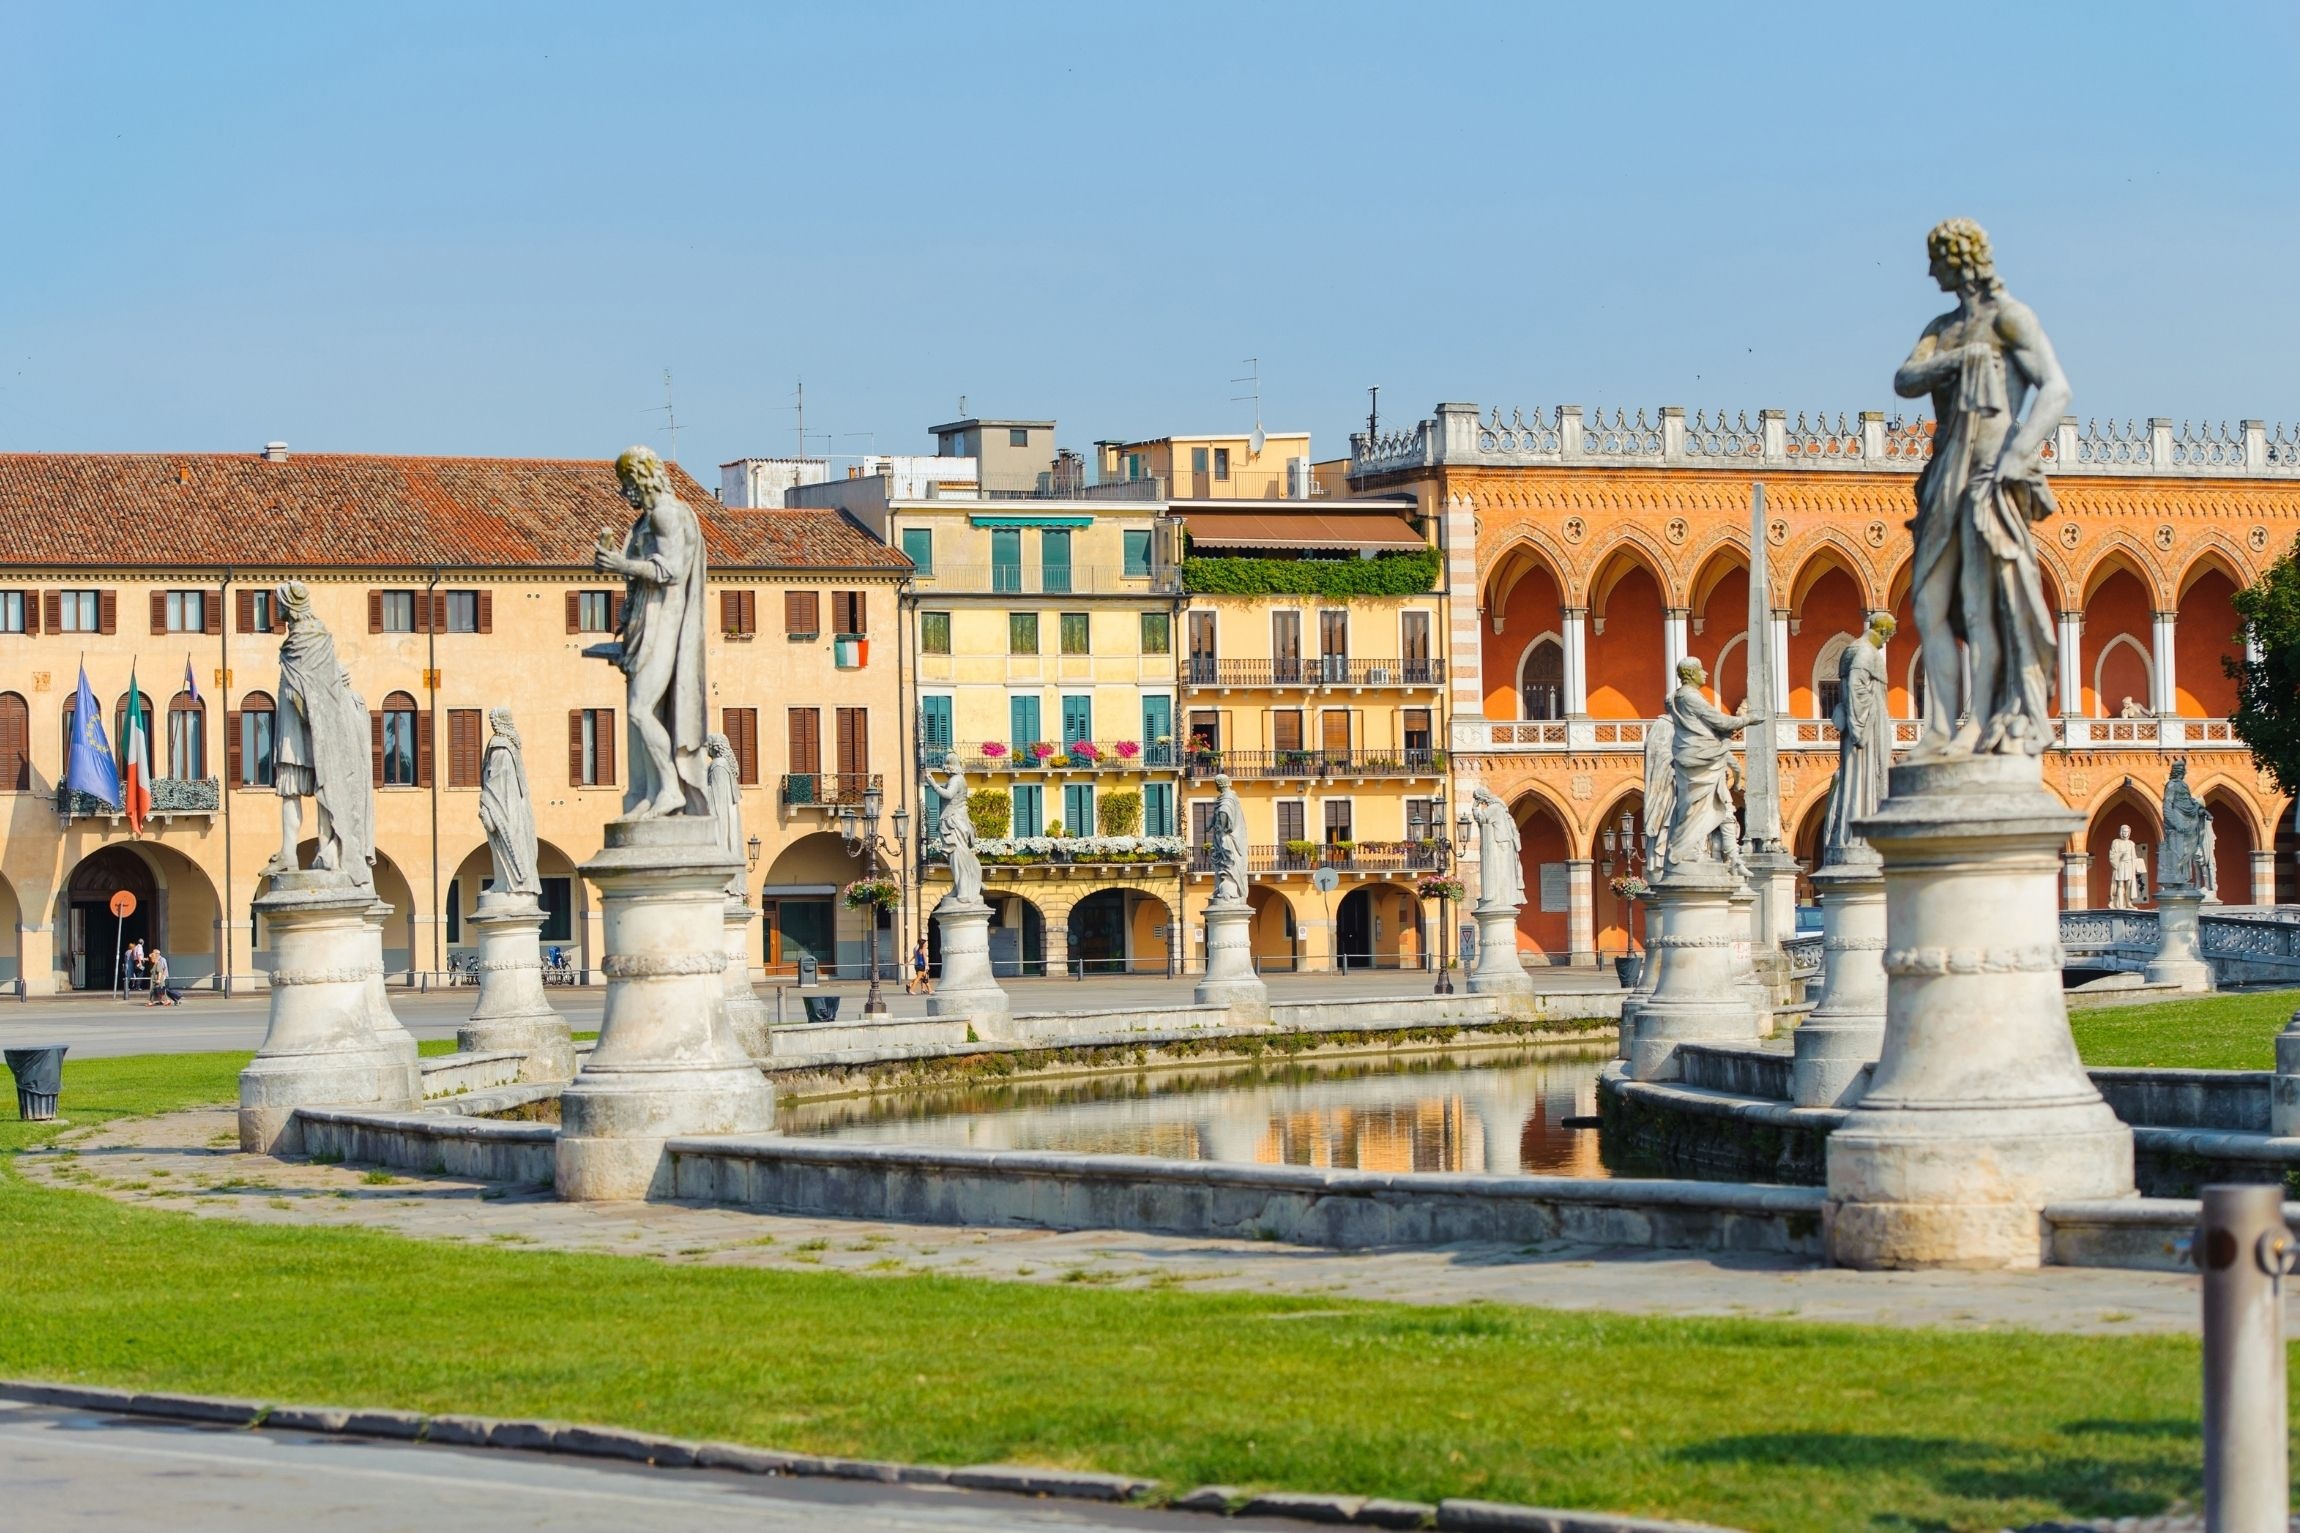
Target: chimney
x,y
275,452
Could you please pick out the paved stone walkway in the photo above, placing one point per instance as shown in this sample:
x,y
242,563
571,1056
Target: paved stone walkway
x,y
188,1161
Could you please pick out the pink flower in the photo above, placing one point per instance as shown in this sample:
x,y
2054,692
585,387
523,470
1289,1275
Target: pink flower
x,y
1129,749
1042,750
1083,751
993,749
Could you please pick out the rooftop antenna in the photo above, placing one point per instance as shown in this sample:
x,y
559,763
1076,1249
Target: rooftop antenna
x,y
670,416
1373,413
1254,377
962,407
800,395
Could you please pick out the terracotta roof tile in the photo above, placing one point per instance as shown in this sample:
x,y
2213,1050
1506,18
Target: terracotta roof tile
x,y
338,510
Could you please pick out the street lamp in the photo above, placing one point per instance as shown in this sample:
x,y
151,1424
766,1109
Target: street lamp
x,y
1448,850
859,830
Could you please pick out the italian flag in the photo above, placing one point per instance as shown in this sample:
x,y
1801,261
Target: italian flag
x,y
136,754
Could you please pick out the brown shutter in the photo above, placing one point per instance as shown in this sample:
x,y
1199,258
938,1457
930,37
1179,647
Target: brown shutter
x,y
574,611
802,612
32,606
107,612
854,741
463,747
375,612
730,611
439,612
244,611
806,741
375,744
741,726
615,613
231,747
575,747
750,612
15,744
423,749
212,613
606,747
52,610
159,612
861,614
486,610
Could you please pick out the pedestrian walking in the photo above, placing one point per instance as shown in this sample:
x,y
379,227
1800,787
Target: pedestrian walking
x,y
163,994
919,983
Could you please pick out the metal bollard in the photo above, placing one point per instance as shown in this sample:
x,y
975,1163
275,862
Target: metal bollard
x,y
2244,1250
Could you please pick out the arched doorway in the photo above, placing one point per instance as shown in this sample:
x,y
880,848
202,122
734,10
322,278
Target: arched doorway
x,y
1617,852
1354,931
2232,845
1806,847
564,905
1542,921
1541,680
1371,927
94,937
800,914
2126,807
1275,932
1118,931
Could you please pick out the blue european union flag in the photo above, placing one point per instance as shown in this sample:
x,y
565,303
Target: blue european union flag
x,y
90,768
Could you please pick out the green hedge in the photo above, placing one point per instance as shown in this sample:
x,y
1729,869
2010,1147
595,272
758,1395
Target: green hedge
x,y
1384,575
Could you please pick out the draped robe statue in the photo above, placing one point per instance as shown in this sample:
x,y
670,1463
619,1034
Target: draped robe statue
x,y
506,813
1229,851
1703,827
2179,863
2125,873
724,791
1660,791
955,829
1976,583
320,749
1864,743
1500,872
660,647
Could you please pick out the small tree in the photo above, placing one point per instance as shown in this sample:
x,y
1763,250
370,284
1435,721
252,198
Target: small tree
x,y
991,811
1119,814
2267,716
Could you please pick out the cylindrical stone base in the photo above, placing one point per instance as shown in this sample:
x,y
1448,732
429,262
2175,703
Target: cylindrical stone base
x,y
320,1048
1847,1027
1648,969
1699,994
1230,978
752,1019
2284,1085
2179,956
1978,1114
380,1016
513,1014
968,987
1748,919
667,1064
1499,970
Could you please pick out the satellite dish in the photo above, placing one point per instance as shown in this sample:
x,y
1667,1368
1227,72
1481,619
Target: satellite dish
x,y
1325,880
1257,439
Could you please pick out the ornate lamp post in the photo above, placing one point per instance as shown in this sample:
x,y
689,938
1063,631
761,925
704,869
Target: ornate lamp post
x,y
1448,851
1624,842
859,830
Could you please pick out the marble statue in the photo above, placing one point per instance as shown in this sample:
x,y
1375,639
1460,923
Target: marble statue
x,y
2208,860
1702,826
1500,872
2125,874
723,789
660,647
1864,743
2131,710
2178,861
506,813
1660,789
1976,582
955,829
1228,831
321,749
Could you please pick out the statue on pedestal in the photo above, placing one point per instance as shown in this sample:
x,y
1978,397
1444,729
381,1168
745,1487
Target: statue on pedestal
x,y
1976,583
725,795
320,749
506,813
1702,826
955,829
2208,861
2179,863
2125,874
1228,830
1660,790
1864,743
660,647
1500,872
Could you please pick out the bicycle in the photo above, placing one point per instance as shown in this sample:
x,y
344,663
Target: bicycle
x,y
463,968
556,969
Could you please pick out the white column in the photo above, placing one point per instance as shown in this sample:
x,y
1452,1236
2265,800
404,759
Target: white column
x,y
2164,702
1780,662
1574,622
1580,911
1672,642
2071,663
2075,880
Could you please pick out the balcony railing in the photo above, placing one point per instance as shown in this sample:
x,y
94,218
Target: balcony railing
x,y
827,790
1063,851
1360,857
171,796
1479,736
1084,756
1304,764
1045,580
1314,671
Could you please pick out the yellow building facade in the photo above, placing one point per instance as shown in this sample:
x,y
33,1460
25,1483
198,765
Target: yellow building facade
x,y
451,586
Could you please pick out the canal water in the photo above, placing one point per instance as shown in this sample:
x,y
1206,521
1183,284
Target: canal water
x,y
1484,1110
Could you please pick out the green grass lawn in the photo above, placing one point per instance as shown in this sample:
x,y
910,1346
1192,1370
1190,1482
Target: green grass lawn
x,y
2214,1032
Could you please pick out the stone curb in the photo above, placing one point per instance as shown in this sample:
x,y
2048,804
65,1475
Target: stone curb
x,y
1456,1516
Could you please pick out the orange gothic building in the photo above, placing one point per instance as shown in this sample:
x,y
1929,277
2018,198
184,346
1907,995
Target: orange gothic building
x,y
1586,555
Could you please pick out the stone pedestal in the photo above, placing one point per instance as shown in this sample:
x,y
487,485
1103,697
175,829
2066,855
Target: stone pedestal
x,y
321,1048
2179,956
1847,1027
1656,927
380,1016
968,987
1230,978
2284,1085
667,1064
1756,990
1499,970
1978,1114
750,1017
513,1013
1698,992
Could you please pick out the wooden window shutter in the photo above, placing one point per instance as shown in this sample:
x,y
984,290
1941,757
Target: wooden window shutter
x,y
860,616
741,727
52,609
423,748
801,612
439,612
574,747
854,741
244,611
750,612
806,741
486,610
730,611
375,743
231,747
159,612
375,612
15,744
32,606
574,611
212,612
107,612
463,747
615,613
606,746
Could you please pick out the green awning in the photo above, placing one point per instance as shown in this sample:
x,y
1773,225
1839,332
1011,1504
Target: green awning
x,y
1025,519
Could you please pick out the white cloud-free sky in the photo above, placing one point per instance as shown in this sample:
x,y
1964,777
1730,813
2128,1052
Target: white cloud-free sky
x,y
489,228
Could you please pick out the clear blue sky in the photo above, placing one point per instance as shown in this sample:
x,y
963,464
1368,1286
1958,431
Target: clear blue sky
x,y
487,228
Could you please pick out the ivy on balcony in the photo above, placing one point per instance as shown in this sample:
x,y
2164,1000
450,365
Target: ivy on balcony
x,y
1406,574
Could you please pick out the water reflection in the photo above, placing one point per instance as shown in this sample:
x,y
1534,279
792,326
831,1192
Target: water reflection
x,y
1489,1110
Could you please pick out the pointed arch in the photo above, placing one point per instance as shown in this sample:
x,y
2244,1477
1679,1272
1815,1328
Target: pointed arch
x,y
2213,553
1712,567
1525,551
2121,551
1816,556
1540,678
2108,692
1631,549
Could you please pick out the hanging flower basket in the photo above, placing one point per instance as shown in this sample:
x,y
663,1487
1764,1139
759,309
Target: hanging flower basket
x,y
1128,749
1084,753
1440,889
868,893
994,750
1630,887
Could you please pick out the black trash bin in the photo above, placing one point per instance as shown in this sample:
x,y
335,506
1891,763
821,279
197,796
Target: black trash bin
x,y
810,970
39,1079
821,1008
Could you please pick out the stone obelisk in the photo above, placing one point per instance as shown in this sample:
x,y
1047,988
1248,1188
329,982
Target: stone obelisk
x,y
1772,867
